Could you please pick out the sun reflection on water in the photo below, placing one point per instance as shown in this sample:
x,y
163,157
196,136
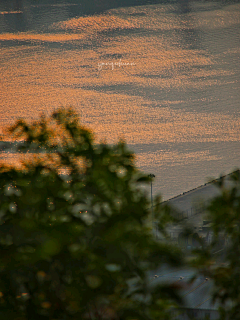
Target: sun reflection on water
x,y
182,87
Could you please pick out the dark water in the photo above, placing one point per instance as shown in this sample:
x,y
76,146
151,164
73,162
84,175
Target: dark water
x,y
174,98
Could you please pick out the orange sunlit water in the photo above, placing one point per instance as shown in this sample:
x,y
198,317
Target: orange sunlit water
x,y
175,90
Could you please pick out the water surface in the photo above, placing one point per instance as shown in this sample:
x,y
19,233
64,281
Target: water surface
x,y
174,99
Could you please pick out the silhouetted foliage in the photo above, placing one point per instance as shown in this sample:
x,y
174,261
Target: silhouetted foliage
x,y
220,260
75,241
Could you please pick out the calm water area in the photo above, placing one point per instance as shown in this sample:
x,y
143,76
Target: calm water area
x,y
163,75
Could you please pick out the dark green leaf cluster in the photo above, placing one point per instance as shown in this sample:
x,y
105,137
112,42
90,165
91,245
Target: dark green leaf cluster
x,y
75,241
221,259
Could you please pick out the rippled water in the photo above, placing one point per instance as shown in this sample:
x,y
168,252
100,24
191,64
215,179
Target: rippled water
x,y
165,77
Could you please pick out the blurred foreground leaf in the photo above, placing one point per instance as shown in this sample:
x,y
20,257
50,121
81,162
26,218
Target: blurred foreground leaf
x,y
220,260
75,241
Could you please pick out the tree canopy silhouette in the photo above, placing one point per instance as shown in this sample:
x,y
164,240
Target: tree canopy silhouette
x,y
75,237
